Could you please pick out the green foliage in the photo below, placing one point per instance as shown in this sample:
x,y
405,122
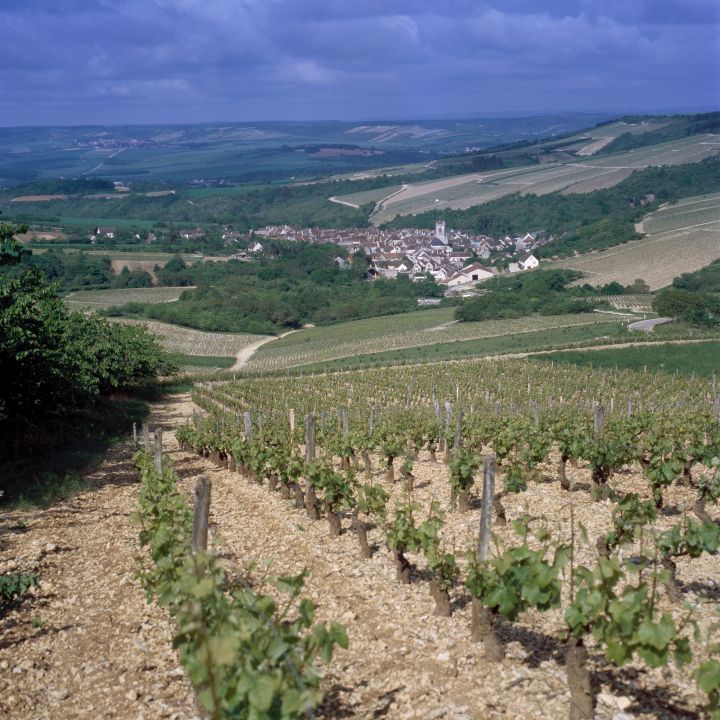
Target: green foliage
x,y
441,563
248,656
519,578
695,308
289,285
543,291
706,279
13,586
463,466
622,617
629,515
690,537
55,361
402,534
708,678
372,500
11,251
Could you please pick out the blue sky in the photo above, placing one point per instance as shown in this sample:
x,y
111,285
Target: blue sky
x,y
150,61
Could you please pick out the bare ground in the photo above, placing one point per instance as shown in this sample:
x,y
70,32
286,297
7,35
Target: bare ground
x,y
86,644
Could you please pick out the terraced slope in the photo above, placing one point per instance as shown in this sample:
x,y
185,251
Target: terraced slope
x,y
682,237
575,175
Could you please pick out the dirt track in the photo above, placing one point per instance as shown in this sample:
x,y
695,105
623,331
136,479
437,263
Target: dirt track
x,y
86,644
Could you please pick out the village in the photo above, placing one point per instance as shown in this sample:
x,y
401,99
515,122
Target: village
x,y
453,258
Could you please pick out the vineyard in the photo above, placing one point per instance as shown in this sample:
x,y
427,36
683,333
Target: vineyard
x,y
395,332
583,175
683,237
186,341
543,538
98,299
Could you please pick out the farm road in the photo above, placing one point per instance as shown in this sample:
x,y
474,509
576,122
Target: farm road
x,y
243,357
648,325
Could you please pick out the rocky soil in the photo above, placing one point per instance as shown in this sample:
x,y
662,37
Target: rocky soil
x,y
87,645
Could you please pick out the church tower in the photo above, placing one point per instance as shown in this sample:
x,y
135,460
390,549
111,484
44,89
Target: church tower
x,y
440,231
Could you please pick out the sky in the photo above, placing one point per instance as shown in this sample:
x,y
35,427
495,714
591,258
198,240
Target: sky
x,y
71,62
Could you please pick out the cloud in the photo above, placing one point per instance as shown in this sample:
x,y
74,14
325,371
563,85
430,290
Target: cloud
x,y
250,59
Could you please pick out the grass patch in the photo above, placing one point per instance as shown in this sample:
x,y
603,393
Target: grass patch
x,y
204,361
700,358
177,385
49,462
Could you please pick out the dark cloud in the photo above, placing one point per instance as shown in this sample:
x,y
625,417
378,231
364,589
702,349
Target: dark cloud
x,y
108,61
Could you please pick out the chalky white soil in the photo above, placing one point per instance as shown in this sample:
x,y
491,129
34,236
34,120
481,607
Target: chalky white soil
x,y
103,652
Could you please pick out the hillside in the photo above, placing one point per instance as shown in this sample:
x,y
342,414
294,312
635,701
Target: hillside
x,y
569,175
680,237
253,151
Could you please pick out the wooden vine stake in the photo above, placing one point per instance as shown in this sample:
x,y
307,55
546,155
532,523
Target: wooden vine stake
x,y
291,420
201,515
310,437
135,435
482,624
146,437
247,422
158,451
598,419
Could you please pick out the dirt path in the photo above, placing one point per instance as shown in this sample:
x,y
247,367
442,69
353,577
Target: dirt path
x,y
86,644
243,357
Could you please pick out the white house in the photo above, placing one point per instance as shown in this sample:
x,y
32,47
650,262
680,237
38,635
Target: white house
x,y
477,272
528,262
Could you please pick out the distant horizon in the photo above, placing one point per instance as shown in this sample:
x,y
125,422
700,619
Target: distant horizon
x,y
499,115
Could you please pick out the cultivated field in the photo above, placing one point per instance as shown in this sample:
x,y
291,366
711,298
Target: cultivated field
x,y
574,175
636,303
177,339
367,196
375,335
681,238
98,299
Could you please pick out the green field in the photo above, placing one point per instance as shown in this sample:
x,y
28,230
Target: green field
x,y
398,332
682,237
191,363
98,299
569,175
700,358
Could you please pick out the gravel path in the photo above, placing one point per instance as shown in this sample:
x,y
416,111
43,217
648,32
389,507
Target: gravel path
x,y
243,357
86,644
